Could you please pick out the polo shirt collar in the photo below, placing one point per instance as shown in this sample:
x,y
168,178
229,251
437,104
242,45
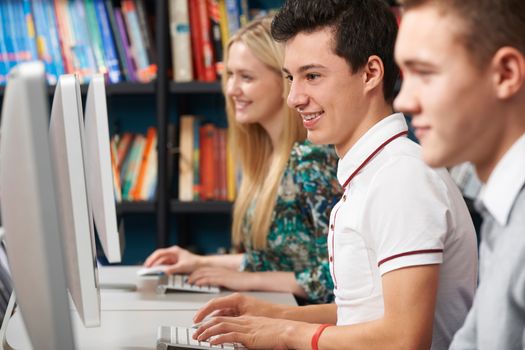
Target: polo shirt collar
x,y
368,143
505,183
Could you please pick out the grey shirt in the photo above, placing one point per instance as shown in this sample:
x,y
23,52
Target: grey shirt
x,y
497,318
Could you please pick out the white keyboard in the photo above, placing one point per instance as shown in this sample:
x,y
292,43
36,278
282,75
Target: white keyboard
x,y
180,283
178,338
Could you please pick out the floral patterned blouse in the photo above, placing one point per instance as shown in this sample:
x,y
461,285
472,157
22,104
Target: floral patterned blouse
x,y
297,240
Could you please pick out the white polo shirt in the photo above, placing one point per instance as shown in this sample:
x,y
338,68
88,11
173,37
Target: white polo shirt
x,y
398,212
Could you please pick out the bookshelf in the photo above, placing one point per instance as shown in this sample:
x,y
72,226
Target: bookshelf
x,y
167,100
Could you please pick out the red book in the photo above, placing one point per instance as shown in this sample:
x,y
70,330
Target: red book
x,y
196,41
210,74
208,171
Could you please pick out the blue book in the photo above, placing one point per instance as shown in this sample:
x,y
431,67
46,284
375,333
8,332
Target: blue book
x,y
3,52
110,54
55,49
84,59
233,15
43,41
30,35
9,35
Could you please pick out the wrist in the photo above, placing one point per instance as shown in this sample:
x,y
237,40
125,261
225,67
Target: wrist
x,y
297,335
317,334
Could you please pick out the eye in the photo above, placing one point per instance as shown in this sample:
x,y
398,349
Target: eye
x,y
288,78
246,77
312,76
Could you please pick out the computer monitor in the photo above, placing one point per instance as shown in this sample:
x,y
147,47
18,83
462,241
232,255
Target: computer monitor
x,y
29,210
99,170
66,132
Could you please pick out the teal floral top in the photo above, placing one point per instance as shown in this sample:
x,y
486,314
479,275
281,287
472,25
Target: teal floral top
x,y
297,240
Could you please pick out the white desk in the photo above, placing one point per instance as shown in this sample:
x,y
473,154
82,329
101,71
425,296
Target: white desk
x,y
122,289
131,313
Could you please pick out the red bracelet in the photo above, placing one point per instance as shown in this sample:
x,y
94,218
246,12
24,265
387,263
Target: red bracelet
x,y
317,335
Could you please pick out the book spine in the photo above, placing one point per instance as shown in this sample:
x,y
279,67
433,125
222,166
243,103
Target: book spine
x,y
30,33
55,49
186,158
180,40
215,35
207,162
3,52
130,61
137,45
210,73
196,161
86,63
110,11
110,54
232,12
196,41
94,38
43,41
147,38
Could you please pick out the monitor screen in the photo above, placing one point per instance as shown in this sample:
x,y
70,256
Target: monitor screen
x,y
66,131
99,171
29,210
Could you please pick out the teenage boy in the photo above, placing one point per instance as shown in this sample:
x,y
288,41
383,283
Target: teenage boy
x,y
401,244
464,83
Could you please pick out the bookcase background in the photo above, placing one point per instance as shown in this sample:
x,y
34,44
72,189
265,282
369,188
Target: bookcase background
x,y
133,107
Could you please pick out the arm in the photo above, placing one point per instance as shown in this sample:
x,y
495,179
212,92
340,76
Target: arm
x,y
409,297
241,305
183,261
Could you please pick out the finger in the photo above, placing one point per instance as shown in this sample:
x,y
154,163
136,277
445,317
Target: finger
x,y
154,256
220,325
230,338
227,302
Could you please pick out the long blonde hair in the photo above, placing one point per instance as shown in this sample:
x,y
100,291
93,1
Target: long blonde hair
x,y
252,146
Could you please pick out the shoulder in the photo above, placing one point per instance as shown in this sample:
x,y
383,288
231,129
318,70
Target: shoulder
x,y
304,153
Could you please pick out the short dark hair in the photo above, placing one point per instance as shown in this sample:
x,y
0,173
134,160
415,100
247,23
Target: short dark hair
x,y
361,28
488,24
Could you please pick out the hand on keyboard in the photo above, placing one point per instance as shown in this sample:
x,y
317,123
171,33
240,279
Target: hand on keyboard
x,y
174,338
180,283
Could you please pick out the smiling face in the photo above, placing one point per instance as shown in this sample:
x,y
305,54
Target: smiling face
x,y
255,89
325,92
450,97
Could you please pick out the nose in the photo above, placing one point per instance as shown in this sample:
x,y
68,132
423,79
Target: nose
x,y
232,87
407,101
297,99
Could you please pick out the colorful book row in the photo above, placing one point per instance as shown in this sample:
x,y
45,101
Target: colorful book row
x,y
206,169
84,37
134,158
199,30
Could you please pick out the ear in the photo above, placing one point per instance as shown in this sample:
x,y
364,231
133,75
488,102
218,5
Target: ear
x,y
373,73
508,65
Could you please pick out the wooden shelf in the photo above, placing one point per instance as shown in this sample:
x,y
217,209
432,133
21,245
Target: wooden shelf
x,y
141,207
195,87
201,207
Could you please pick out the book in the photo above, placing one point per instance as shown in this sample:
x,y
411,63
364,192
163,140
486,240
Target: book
x,y
110,11
149,43
145,71
138,187
180,40
208,171
196,41
108,44
130,60
210,73
215,35
186,157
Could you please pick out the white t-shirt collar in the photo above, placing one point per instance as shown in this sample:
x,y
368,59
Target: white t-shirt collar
x,y
505,182
371,140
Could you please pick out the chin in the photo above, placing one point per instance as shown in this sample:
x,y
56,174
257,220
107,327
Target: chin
x,y
315,138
